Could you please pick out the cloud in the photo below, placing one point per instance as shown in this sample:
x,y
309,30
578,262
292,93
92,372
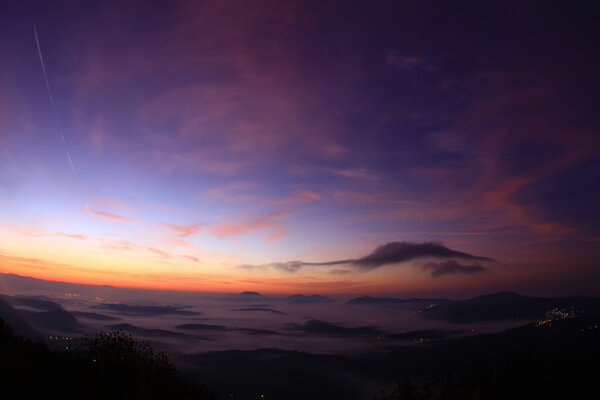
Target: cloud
x,y
259,309
398,252
73,235
340,271
356,173
452,267
268,222
400,61
302,196
108,216
191,258
127,309
309,194
183,230
389,253
327,328
158,252
288,266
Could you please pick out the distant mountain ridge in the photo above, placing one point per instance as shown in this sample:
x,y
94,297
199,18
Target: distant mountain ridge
x,y
506,306
52,317
16,322
368,300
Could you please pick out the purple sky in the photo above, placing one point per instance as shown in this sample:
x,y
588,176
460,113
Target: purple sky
x,y
276,146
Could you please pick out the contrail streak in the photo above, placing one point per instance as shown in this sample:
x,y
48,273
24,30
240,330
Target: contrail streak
x,y
60,130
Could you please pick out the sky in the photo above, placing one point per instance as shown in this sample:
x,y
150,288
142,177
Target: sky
x,y
382,147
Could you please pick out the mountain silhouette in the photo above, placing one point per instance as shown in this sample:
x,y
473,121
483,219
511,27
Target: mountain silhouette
x,y
507,306
368,300
16,322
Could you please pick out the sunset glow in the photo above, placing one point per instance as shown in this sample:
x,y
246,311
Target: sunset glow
x,y
276,147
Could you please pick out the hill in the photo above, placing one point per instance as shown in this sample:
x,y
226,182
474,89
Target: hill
x,y
368,300
507,306
108,366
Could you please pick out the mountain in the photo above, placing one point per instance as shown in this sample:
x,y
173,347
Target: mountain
x,y
146,332
508,305
108,366
368,300
52,321
246,296
16,322
250,294
38,302
52,317
93,316
327,328
567,351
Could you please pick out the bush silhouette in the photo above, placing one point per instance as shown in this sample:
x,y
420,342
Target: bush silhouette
x,y
111,365
528,375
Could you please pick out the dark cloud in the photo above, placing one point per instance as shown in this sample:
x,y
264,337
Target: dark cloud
x,y
221,328
386,301
257,332
288,266
425,334
136,330
327,328
93,316
340,271
202,327
145,310
302,299
452,267
259,309
389,253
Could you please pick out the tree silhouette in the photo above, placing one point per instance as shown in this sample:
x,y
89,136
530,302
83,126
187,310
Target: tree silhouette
x,y
110,365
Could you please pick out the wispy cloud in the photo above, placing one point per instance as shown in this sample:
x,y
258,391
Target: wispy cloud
x,y
270,222
108,216
398,60
183,230
33,232
356,173
301,196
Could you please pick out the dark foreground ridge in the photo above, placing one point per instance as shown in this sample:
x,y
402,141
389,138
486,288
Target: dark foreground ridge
x,y
554,356
531,362
108,366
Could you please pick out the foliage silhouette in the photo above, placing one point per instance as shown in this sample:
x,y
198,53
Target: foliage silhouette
x,y
111,365
531,374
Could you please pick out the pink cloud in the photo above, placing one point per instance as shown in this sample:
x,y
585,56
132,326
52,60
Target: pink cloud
x,y
301,196
183,230
309,194
269,222
158,252
73,235
356,173
97,134
33,232
108,216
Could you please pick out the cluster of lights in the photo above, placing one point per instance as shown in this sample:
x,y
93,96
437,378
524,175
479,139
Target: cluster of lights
x,y
59,338
556,314
590,328
426,308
